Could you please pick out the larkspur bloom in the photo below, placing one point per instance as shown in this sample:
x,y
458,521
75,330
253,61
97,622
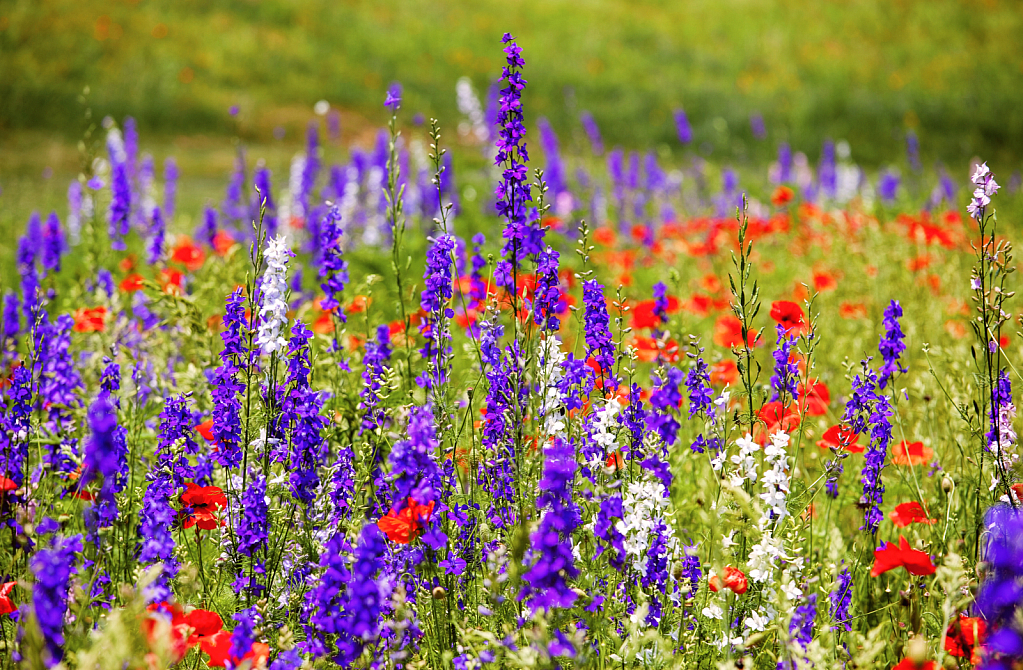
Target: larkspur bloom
x,y
170,188
892,344
598,333
227,387
986,186
435,300
273,310
547,293
52,568
841,598
333,267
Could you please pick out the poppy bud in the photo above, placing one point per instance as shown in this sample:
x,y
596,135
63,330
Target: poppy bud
x,y
916,650
947,484
439,593
736,580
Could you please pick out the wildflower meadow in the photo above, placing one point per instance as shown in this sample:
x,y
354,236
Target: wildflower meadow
x,y
613,410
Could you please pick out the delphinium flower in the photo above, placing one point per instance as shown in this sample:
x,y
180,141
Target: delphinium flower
x,y
435,301
633,420
986,186
310,171
226,386
660,293
157,232
801,626
264,198
547,292
913,151
103,459
596,325
649,542
477,286
375,363
208,227
170,188
554,171
605,529
867,409
775,479
15,425
26,262
785,380
698,384
496,468
592,133
176,442
888,186
841,598
54,244
999,600
665,399
75,207
784,163
333,268
1001,438
892,344
120,186
615,170
56,371
414,475
600,427
273,310
235,207
252,531
300,415
10,321
157,518
52,568
347,601
685,131
826,174
547,581
513,192
552,413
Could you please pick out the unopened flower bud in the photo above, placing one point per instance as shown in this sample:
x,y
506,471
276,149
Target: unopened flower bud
x,y
439,593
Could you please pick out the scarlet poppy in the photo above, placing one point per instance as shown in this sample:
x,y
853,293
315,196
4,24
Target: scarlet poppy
x,y
604,236
728,333
715,584
219,649
222,243
736,580
359,304
201,506
7,485
907,664
188,254
964,635
6,604
814,401
852,310
890,556
842,438
790,316
405,525
782,196
643,315
206,429
649,349
909,512
127,263
824,281
777,418
171,280
724,373
614,460
911,453
131,283
90,320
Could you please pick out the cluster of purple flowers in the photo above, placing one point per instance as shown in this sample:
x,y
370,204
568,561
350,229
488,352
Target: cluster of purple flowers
x,y
301,416
226,387
868,409
547,293
891,345
596,323
1000,596
785,380
435,301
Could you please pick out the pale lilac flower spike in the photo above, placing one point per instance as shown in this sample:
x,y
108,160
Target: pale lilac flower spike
x,y
986,185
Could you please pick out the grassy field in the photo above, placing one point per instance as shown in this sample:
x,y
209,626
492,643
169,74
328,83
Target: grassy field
x,y
866,70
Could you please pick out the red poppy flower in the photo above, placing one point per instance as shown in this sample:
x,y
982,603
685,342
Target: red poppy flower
x,y
815,400
728,333
188,254
840,437
604,236
7,485
965,634
171,280
824,281
127,263
790,316
852,310
643,315
777,418
890,556
648,350
715,584
907,664
736,580
359,304
201,505
909,512
405,525
222,243
6,604
219,648
614,460
199,625
911,453
206,430
90,320
724,372
782,196
131,283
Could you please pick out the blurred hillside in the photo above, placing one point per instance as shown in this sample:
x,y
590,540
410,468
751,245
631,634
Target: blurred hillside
x,y
863,70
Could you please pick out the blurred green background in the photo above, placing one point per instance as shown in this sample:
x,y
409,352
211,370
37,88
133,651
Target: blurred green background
x,y
863,70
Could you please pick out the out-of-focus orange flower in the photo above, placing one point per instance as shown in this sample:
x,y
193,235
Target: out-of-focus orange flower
x,y
90,320
605,236
131,283
956,329
909,512
911,453
841,438
222,243
823,280
649,349
728,333
724,372
187,253
919,263
405,525
127,263
852,310
782,196
171,280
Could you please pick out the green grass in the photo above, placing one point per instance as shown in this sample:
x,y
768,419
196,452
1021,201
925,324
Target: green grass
x,y
865,70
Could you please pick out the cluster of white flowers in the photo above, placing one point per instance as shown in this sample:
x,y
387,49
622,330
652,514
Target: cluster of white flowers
x,y
469,105
552,403
1004,446
644,504
602,431
290,205
376,205
776,479
273,313
745,462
